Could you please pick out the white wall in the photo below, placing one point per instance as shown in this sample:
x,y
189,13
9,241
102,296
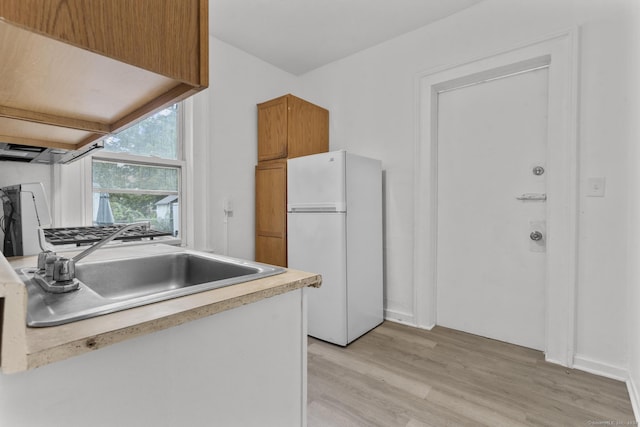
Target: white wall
x,y
239,81
633,298
18,173
633,258
372,100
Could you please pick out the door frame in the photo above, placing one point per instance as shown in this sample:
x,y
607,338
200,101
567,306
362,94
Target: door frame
x,y
560,53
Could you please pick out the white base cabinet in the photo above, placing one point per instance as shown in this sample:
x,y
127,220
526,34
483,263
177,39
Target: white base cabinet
x,y
241,367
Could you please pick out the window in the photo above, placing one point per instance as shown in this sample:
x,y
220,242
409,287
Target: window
x,y
138,174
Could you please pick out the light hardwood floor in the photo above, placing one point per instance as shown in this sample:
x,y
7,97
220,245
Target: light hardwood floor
x,y
401,376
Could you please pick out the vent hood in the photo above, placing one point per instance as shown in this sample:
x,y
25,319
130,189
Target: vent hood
x,y
44,155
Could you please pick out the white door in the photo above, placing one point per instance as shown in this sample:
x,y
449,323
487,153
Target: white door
x,y
491,149
317,243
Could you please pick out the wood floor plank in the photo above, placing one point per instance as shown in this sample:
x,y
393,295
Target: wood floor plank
x,y
369,401
319,413
408,338
401,376
370,369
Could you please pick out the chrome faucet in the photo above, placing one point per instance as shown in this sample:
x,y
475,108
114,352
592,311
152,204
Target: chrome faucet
x,y
145,224
60,272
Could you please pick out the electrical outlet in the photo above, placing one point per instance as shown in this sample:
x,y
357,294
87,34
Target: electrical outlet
x,y
227,205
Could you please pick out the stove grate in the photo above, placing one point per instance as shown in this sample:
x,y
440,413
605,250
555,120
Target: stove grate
x,y
90,234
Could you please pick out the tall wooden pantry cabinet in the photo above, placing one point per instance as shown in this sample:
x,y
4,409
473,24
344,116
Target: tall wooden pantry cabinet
x,y
287,127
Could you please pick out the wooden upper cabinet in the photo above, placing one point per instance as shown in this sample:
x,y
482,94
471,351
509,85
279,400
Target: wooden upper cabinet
x,y
272,129
73,71
291,127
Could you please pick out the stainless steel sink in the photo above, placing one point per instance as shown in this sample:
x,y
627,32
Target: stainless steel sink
x,y
114,285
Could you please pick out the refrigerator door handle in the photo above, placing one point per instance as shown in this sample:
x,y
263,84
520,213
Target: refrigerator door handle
x,y
319,208
312,210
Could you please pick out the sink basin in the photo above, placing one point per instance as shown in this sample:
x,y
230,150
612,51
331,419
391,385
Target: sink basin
x,y
132,278
114,285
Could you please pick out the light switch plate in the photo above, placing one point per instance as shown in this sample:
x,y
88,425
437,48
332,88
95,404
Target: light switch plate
x,y
595,186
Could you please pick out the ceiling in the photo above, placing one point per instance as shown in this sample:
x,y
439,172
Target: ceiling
x,y
301,35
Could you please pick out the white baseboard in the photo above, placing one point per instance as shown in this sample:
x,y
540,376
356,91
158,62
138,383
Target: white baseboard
x,y
600,368
557,362
404,319
399,317
634,396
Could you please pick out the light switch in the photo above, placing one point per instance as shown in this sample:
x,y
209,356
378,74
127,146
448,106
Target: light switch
x,y
595,186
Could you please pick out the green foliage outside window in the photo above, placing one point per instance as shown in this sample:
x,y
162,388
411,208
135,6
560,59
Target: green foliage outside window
x,y
156,136
142,192
128,176
138,207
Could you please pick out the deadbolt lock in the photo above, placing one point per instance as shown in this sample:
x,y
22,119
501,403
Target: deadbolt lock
x,y
535,236
538,170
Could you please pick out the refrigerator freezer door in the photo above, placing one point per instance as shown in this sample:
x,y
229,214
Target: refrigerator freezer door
x,y
317,183
317,243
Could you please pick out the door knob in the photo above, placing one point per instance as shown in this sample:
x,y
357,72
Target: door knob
x,y
535,235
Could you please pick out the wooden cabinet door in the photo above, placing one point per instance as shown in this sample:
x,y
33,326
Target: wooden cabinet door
x,y
271,250
272,129
307,128
74,71
271,212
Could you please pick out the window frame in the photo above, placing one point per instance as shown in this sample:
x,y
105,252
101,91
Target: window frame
x,y
184,141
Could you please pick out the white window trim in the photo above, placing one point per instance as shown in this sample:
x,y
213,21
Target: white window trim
x,y
185,151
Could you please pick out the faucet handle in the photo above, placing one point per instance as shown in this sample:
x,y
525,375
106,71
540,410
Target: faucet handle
x,y
42,259
49,261
64,270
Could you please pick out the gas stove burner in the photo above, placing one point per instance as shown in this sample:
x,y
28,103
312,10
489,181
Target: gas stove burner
x,y
86,235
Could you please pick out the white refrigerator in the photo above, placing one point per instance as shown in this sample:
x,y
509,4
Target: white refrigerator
x,y
334,227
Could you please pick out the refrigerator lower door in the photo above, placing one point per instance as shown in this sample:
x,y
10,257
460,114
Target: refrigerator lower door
x,y
317,244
